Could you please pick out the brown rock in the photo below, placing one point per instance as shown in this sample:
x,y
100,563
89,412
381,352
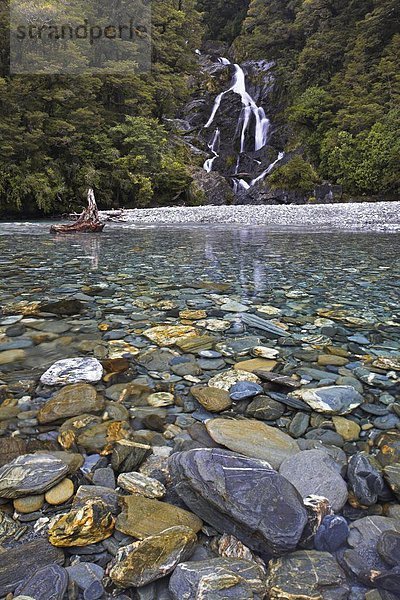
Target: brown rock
x,y
256,364
142,517
349,430
127,455
60,493
70,401
102,437
153,558
169,335
29,504
213,399
329,359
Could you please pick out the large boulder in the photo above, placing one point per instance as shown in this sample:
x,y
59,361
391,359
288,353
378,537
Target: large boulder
x,y
241,496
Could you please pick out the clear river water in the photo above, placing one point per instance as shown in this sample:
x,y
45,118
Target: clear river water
x,y
135,277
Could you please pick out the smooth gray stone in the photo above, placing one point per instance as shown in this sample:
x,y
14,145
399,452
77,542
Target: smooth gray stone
x,y
48,583
265,409
225,578
241,496
365,480
315,473
17,564
264,325
31,474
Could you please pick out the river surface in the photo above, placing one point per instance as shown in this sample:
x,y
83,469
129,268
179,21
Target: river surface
x,y
133,277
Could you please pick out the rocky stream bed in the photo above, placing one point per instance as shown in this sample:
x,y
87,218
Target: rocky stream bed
x,y
178,427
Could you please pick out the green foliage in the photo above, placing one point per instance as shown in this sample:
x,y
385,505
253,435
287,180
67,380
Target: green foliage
x,y
338,82
60,134
223,18
296,175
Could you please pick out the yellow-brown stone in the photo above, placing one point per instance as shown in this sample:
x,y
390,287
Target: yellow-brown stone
x,y
153,558
86,525
349,430
70,401
60,493
193,315
213,399
142,517
29,504
256,364
169,335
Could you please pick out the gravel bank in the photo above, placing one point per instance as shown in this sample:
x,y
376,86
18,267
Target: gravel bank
x,y
381,216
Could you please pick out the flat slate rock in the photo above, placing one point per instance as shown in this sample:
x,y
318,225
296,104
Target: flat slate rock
x,y
48,583
315,473
31,474
240,496
153,558
17,564
254,439
218,579
73,370
307,574
142,517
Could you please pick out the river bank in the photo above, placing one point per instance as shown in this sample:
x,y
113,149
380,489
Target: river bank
x,y
381,216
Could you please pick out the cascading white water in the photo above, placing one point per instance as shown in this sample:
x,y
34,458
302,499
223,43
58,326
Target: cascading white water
x,y
268,169
213,146
250,110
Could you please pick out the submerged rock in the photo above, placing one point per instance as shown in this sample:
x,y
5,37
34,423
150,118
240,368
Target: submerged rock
x,y
227,379
308,575
315,473
31,474
254,439
240,496
73,370
213,399
331,400
169,335
218,578
71,401
153,558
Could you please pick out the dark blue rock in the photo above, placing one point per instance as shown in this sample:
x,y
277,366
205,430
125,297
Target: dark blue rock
x,y
332,534
365,480
244,390
94,591
390,580
48,583
240,496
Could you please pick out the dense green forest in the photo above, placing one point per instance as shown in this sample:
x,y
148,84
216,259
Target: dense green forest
x,y
336,96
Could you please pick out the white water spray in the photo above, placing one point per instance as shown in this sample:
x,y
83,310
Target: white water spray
x,y
268,169
213,146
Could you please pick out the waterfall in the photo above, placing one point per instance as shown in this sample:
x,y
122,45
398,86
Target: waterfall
x,y
250,108
268,169
251,113
213,146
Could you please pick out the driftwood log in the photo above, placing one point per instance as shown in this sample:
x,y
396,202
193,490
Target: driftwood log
x,y
87,222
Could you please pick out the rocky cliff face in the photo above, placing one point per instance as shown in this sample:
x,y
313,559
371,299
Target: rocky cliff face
x,y
227,127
